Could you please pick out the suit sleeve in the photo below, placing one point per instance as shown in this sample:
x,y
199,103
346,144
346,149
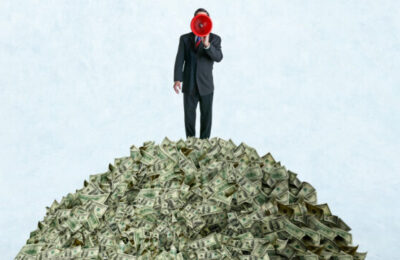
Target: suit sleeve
x,y
179,62
214,51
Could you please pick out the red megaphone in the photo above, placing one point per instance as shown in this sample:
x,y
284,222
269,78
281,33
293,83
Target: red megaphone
x,y
201,25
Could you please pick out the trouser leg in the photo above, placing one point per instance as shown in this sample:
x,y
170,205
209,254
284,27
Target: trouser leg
x,y
190,105
206,115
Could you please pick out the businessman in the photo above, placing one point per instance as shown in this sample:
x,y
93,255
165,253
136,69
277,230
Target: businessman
x,y
193,67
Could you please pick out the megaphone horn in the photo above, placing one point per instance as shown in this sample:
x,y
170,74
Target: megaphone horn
x,y
201,25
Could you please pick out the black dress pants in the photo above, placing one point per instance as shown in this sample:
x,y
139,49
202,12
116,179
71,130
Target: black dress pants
x,y
190,105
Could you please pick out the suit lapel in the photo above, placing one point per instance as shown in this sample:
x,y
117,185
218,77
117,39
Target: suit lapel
x,y
192,43
192,37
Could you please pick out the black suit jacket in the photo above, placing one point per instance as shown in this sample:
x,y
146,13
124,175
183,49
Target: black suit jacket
x,y
193,65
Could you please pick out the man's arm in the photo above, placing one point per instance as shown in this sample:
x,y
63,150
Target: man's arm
x,y
179,60
214,50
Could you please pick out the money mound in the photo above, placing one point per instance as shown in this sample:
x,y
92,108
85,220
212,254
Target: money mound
x,y
192,199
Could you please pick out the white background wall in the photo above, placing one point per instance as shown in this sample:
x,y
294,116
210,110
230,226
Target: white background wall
x,y
316,83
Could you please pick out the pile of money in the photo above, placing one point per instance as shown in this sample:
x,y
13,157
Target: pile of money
x,y
192,199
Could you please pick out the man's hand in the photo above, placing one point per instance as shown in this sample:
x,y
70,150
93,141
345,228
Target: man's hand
x,y
177,85
206,40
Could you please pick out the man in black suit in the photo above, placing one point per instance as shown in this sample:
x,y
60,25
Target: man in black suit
x,y
193,66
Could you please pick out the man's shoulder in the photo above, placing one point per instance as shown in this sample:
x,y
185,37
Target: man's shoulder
x,y
215,35
185,35
189,34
